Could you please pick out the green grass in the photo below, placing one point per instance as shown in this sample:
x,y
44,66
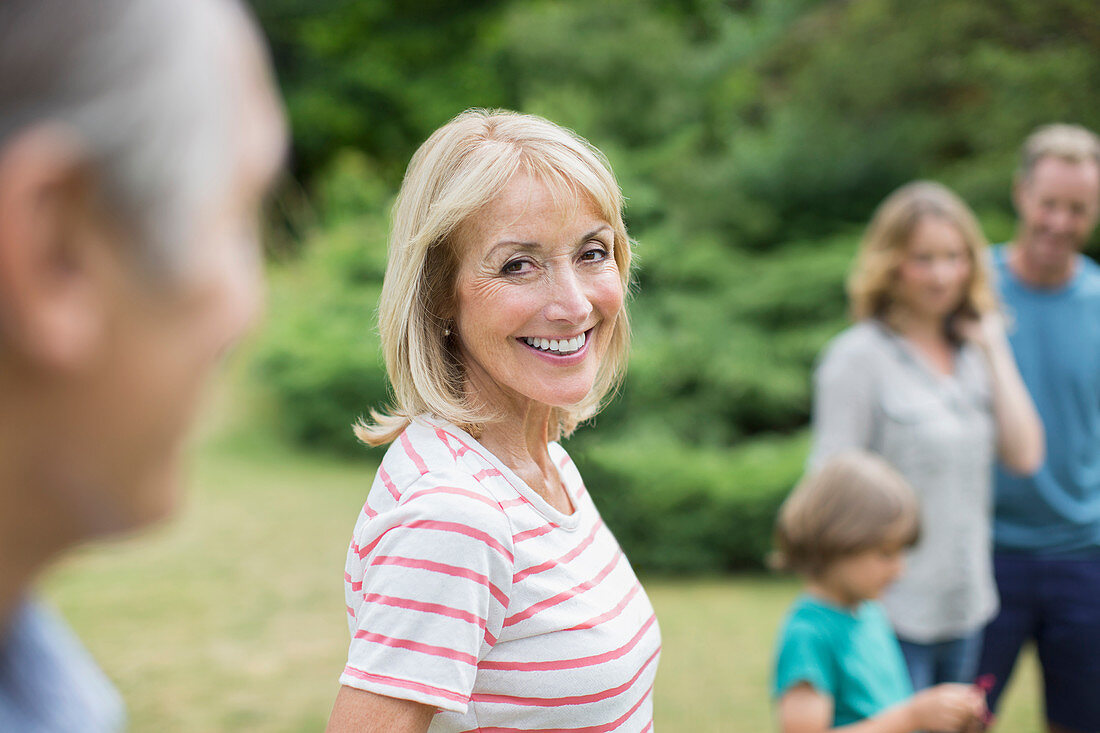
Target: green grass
x,y
718,637
232,617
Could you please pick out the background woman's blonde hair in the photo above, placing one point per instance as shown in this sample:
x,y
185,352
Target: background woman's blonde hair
x,y
873,280
854,502
462,167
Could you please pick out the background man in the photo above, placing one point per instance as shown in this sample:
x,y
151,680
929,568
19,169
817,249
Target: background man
x,y
137,138
1047,526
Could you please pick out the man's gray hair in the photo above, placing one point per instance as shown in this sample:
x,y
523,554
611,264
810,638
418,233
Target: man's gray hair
x,y
137,81
1071,143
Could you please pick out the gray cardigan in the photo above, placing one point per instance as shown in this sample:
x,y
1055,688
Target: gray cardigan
x,y
872,390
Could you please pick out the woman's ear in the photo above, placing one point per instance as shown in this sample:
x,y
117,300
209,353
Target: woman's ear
x,y
52,282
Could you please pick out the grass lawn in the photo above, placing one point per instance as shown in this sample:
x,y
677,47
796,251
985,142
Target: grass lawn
x,y
232,617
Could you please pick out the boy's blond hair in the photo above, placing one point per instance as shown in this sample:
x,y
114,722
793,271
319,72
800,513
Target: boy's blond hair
x,y
854,502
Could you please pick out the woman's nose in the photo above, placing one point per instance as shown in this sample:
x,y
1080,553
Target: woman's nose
x,y
568,297
944,271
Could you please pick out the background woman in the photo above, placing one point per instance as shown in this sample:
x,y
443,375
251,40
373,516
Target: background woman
x,y
480,581
926,379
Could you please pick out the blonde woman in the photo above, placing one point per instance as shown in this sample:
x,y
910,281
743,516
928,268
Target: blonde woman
x,y
483,590
926,379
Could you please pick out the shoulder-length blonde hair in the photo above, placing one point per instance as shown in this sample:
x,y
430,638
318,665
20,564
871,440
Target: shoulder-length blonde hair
x,y
462,167
872,282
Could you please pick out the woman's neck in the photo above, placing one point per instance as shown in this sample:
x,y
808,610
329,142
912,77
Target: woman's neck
x,y
929,338
918,328
520,442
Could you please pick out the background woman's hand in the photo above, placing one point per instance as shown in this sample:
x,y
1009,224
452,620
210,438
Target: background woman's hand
x,y
985,331
1021,444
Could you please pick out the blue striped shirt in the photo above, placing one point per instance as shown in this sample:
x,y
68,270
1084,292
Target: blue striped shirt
x,y
48,681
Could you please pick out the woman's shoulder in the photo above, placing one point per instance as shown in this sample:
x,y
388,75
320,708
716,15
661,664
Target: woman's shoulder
x,y
560,456
861,336
861,343
430,446
437,469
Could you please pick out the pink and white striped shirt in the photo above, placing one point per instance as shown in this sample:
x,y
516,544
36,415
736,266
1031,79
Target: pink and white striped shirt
x,y
466,591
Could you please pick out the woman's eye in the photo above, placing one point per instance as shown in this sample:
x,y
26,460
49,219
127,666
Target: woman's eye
x,y
514,267
594,254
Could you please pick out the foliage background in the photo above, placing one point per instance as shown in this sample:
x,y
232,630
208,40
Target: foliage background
x,y
753,139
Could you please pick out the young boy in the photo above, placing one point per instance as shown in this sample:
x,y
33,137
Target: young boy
x,y
838,663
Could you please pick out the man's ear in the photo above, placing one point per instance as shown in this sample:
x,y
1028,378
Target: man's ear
x,y
51,276
1019,183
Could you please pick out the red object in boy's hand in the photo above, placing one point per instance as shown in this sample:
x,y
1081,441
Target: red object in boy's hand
x,y
985,684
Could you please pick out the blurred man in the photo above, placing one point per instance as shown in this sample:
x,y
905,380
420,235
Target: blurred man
x,y
137,138
1047,526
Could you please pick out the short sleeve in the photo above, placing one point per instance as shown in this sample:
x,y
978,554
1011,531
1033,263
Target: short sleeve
x,y
427,587
804,656
844,401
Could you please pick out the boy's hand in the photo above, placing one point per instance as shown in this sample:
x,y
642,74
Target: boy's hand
x,y
983,684
975,726
949,707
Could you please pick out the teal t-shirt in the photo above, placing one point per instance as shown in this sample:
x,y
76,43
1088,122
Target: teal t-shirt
x,y
850,655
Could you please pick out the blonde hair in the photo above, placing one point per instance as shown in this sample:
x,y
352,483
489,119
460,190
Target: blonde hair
x,y
461,168
1072,143
872,282
855,502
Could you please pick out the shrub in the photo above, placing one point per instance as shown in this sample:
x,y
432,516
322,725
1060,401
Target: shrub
x,y
320,356
677,508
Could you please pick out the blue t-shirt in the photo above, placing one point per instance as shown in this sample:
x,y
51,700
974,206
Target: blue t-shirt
x,y
1055,335
48,681
850,655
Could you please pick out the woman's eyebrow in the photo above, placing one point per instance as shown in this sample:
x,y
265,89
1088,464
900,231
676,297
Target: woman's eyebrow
x,y
526,245
598,230
517,243
511,246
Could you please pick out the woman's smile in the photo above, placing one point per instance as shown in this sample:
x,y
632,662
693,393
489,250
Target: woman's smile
x,y
558,346
537,293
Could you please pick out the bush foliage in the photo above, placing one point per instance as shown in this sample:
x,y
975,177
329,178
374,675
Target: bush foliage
x,y
677,508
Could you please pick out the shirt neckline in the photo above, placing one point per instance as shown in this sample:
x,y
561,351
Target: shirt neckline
x,y
852,613
910,353
1005,270
565,521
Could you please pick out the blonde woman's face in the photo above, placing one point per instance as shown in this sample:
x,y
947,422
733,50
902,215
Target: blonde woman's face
x,y
934,271
538,293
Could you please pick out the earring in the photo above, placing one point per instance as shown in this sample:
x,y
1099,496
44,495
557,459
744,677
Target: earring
x,y
446,332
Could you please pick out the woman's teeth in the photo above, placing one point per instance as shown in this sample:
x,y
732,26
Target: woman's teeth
x,y
562,346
